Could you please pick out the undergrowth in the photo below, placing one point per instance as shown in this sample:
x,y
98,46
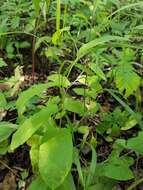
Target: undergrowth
x,y
71,77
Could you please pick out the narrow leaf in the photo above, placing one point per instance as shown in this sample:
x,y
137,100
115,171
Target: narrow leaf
x,y
99,41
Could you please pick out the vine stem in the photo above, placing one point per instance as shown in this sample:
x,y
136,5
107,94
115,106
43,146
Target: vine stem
x,y
136,183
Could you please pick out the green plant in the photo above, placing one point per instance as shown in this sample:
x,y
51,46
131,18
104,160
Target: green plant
x,y
83,122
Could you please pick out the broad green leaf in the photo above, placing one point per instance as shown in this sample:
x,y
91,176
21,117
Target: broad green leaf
x,y
51,132
75,106
99,41
116,167
126,79
59,80
6,130
103,183
38,184
55,159
26,95
68,184
136,143
129,124
31,125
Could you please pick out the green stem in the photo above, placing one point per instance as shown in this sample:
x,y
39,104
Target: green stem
x,y
135,184
58,15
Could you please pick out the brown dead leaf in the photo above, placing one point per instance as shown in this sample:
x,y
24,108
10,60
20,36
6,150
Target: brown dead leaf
x,y
9,182
4,86
105,108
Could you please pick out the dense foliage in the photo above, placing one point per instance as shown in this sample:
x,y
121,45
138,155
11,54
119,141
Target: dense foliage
x,y
71,92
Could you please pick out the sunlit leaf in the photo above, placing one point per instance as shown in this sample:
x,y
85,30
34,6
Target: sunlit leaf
x,y
55,159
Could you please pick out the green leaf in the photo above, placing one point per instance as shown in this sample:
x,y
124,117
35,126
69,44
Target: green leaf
x,y
3,101
6,130
76,161
2,63
55,159
34,142
80,91
103,183
99,41
136,143
119,144
26,95
126,79
95,67
24,44
75,106
15,22
34,155
68,184
51,132
116,167
31,125
129,124
38,184
36,4
92,167
4,146
59,80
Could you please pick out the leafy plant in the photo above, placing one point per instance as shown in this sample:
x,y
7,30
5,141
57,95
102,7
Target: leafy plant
x,y
71,92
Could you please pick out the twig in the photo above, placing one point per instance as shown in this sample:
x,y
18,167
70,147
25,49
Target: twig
x,y
5,165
